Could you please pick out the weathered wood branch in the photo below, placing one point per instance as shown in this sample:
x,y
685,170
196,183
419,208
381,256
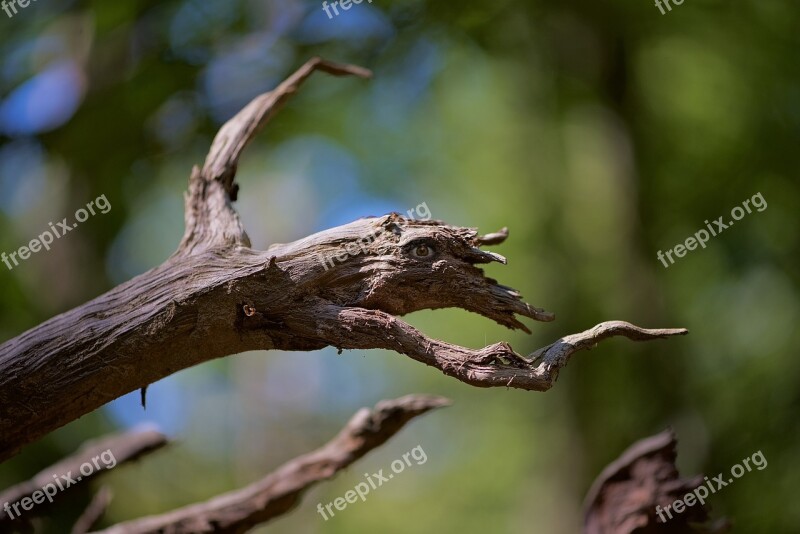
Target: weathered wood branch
x,y
624,497
493,366
215,296
280,491
64,476
211,221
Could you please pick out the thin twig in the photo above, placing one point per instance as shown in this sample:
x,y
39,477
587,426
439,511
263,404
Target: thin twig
x,y
94,512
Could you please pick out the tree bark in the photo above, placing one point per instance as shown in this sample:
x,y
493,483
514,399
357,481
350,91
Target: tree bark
x,y
279,492
215,296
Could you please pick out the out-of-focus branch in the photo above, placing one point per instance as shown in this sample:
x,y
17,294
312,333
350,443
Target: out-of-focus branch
x,y
62,477
279,492
624,497
94,511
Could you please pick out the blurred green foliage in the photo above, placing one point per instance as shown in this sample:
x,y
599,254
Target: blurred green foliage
x,y
599,133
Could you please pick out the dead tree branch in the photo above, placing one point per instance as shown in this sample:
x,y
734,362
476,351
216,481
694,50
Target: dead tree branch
x,y
211,221
280,491
624,497
215,296
62,477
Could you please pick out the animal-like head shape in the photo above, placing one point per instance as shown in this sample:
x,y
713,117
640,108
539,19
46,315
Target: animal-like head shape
x,y
400,265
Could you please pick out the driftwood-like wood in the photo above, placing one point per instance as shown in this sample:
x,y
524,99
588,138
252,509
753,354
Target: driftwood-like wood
x,y
624,497
215,296
280,491
125,447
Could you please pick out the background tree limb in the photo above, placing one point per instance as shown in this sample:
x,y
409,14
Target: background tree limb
x,y
125,447
624,497
94,512
280,491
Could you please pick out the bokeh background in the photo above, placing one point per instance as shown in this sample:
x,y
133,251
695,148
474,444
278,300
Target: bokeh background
x,y
598,132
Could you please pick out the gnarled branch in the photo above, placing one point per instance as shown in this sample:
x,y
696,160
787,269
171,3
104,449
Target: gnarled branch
x,y
493,366
215,296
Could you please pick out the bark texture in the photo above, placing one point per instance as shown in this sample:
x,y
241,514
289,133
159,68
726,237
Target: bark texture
x,y
215,296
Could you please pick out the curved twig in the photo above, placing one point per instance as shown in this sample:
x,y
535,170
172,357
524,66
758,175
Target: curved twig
x,y
211,221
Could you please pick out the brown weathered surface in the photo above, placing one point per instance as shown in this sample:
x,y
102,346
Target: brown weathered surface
x,y
280,491
215,296
624,497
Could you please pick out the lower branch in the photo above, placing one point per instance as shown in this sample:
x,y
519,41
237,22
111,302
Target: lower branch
x,y
280,491
103,454
94,512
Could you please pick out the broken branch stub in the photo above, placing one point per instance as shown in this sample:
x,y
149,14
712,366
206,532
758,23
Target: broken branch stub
x,y
630,495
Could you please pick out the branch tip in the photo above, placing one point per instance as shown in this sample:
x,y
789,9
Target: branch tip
x,y
494,238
